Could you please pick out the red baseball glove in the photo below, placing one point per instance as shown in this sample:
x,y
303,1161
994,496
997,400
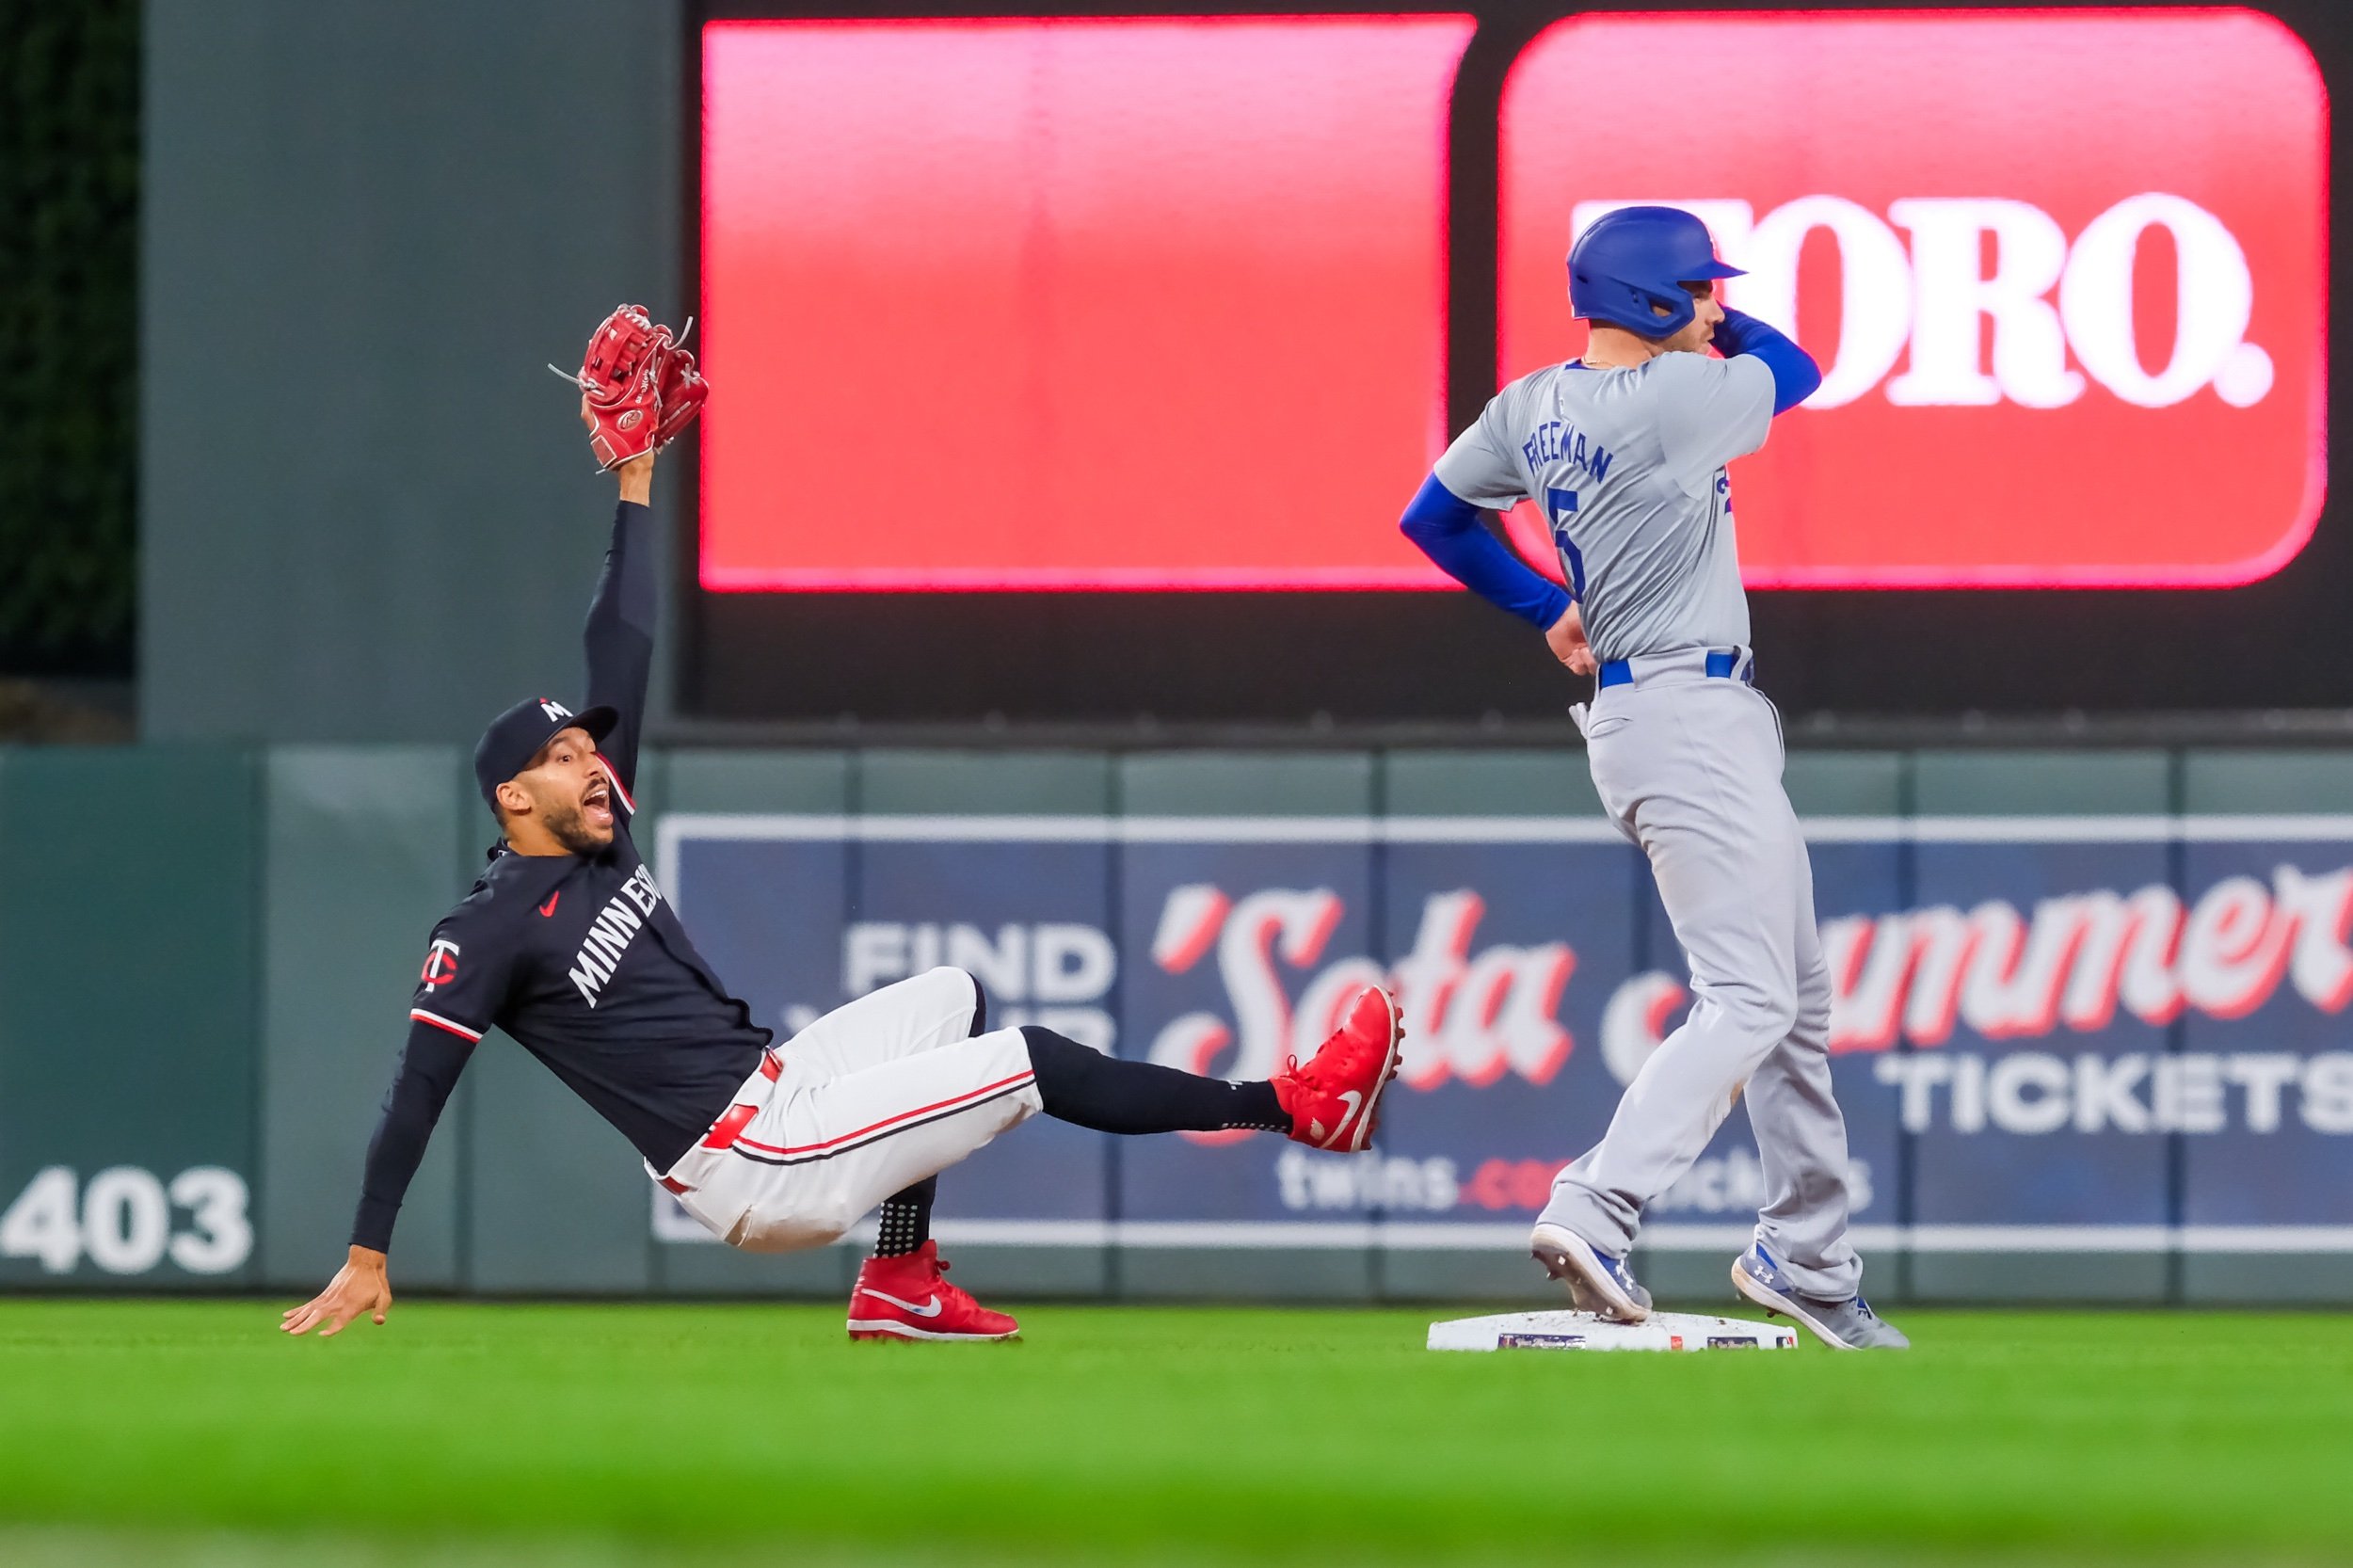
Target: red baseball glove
x,y
683,390
640,389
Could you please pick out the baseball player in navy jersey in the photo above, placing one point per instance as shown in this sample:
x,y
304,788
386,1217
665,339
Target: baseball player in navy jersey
x,y
1624,451
568,945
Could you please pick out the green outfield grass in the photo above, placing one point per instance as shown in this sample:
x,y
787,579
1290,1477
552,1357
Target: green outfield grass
x,y
192,1433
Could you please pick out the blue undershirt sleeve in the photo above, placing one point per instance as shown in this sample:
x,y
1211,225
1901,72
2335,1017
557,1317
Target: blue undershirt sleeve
x,y
1795,374
1447,529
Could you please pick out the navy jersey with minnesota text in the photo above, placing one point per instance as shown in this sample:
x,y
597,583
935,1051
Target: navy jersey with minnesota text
x,y
579,959
585,965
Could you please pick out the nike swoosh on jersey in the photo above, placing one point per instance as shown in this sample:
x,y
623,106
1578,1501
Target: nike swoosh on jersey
x,y
549,907
929,1309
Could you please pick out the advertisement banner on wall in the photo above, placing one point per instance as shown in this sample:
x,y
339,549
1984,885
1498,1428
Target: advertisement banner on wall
x,y
2107,1033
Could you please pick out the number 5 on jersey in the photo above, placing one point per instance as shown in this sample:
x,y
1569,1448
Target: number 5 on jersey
x,y
1561,505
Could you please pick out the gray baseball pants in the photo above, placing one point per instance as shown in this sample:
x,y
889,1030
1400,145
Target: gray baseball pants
x,y
1690,766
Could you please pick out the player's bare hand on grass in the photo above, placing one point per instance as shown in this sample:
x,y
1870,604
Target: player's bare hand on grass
x,y
360,1288
1567,641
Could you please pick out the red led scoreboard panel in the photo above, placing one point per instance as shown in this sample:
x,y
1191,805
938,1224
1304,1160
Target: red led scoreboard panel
x,y
1072,304
2066,273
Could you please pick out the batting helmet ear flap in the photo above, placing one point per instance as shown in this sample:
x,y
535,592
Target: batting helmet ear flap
x,y
1630,265
1630,305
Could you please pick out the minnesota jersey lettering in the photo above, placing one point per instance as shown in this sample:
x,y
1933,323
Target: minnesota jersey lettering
x,y
610,933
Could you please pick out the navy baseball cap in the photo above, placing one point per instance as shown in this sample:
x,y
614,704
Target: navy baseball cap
x,y
516,736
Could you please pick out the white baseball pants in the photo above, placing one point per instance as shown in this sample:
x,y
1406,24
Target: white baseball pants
x,y
1690,766
870,1098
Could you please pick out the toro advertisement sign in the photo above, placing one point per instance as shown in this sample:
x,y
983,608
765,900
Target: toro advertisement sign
x,y
2031,1015
1109,290
2066,273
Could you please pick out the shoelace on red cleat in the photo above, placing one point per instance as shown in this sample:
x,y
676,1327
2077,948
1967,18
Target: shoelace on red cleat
x,y
950,1295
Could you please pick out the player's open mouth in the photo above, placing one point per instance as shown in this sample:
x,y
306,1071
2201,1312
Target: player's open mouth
x,y
597,805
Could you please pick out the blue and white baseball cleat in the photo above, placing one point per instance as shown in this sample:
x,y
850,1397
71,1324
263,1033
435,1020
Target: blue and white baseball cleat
x,y
1848,1325
1598,1282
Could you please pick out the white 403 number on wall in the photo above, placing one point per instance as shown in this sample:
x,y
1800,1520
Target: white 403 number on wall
x,y
126,1221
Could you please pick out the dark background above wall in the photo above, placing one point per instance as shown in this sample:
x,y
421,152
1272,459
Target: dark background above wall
x,y
341,562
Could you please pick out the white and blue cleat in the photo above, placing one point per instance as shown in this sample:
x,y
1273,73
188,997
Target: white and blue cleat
x,y
1598,1282
1848,1325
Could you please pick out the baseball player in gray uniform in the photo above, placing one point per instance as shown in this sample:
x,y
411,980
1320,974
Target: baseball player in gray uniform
x,y
1624,452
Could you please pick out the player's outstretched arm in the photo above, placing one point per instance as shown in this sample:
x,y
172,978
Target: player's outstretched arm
x,y
360,1288
437,1049
618,635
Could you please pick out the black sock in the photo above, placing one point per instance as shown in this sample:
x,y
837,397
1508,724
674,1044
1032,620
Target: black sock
x,y
1090,1089
907,1219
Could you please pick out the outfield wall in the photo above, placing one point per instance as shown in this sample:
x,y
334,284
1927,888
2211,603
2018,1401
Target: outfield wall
x,y
2091,1034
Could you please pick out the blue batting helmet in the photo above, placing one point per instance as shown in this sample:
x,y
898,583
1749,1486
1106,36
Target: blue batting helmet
x,y
1629,268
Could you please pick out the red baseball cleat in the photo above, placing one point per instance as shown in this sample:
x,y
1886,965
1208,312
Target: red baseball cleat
x,y
1335,1100
908,1297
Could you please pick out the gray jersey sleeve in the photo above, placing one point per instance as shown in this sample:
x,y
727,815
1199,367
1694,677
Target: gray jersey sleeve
x,y
1482,467
1709,412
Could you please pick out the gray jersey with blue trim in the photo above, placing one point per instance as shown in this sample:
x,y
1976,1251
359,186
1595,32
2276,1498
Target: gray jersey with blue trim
x,y
1628,469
